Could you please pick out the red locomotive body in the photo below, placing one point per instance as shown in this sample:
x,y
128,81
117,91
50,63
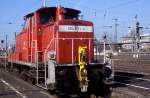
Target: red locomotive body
x,y
44,29
54,44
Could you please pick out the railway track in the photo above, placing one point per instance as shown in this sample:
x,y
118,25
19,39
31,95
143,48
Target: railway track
x,y
138,83
14,87
21,88
127,63
126,76
132,74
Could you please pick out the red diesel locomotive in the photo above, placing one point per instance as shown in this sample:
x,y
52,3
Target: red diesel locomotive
x,y
55,50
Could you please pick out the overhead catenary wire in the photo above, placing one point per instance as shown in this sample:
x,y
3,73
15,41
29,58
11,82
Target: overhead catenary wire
x,y
93,10
105,9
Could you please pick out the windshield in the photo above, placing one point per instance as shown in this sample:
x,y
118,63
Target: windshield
x,y
45,17
74,17
71,14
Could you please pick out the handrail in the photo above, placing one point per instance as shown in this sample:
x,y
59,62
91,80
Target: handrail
x,y
45,52
73,38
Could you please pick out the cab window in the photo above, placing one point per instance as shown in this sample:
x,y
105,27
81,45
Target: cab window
x,y
74,17
45,17
71,14
26,23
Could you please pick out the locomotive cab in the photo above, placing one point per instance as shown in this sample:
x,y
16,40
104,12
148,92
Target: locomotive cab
x,y
52,14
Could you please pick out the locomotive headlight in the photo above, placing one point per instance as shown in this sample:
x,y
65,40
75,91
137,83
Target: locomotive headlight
x,y
39,31
52,55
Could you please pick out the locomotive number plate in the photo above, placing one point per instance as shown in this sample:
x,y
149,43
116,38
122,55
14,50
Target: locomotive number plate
x,y
73,28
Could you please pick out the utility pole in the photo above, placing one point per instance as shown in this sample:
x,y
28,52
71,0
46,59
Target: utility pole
x,y
137,36
136,18
6,44
15,35
14,47
115,33
104,48
5,64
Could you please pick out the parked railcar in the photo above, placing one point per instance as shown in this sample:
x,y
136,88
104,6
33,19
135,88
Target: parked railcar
x,y
55,50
